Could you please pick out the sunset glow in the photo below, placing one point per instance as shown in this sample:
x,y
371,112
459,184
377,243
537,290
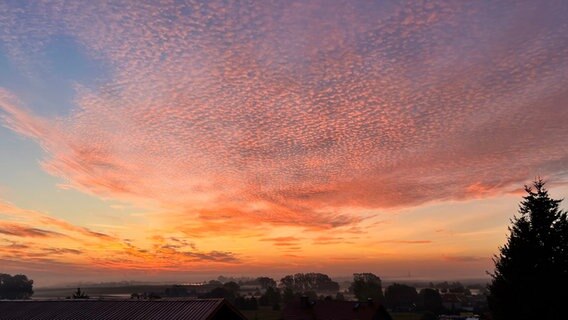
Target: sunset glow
x,y
181,139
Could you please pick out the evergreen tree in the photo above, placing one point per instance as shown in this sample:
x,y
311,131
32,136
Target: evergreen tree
x,y
533,262
80,294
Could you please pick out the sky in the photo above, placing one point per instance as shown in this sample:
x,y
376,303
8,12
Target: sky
x,y
179,140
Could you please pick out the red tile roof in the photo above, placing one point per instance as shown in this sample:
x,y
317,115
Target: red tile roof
x,y
195,309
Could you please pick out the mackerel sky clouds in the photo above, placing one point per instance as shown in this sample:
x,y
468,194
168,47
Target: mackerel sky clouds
x,y
274,136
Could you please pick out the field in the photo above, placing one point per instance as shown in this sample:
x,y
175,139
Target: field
x,y
266,313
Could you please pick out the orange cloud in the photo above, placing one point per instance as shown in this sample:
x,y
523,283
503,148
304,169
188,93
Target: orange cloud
x,y
20,230
407,241
237,121
37,217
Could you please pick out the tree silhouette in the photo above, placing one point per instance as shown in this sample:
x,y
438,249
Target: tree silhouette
x,y
367,286
80,294
534,259
401,297
271,297
430,300
232,287
15,287
266,282
304,282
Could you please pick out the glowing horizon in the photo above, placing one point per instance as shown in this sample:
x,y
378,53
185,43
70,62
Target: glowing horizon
x,y
169,139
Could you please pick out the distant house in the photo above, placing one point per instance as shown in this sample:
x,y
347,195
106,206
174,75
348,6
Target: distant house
x,y
193,309
304,309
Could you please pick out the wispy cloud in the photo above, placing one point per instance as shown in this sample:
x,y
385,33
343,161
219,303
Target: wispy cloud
x,y
44,219
327,240
21,230
286,242
57,251
406,241
281,239
215,256
25,243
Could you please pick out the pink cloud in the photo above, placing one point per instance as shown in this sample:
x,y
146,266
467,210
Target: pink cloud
x,y
290,114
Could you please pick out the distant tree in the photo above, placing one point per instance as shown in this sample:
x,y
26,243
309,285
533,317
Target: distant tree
x,y
244,303
430,300
534,259
153,296
367,286
303,282
451,287
232,286
458,287
215,283
221,292
80,294
289,282
15,287
401,297
266,282
143,295
270,297
288,295
339,296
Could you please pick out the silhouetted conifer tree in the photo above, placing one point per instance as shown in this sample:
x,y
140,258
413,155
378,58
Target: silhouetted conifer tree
x,y
533,262
80,294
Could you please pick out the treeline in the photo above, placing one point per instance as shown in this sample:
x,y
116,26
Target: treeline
x,y
249,294
265,293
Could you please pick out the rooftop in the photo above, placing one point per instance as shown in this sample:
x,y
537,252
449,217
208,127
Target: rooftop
x,y
189,309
